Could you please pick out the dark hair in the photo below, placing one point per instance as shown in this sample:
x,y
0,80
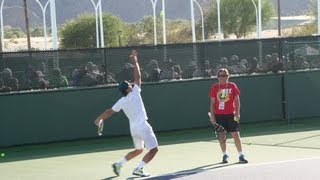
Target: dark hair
x,y
123,87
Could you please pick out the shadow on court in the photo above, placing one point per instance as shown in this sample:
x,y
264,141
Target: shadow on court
x,y
26,152
109,178
189,172
294,169
180,174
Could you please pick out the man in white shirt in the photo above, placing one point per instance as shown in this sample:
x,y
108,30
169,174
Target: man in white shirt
x,y
142,134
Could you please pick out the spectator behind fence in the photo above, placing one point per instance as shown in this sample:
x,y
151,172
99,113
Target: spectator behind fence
x,y
74,78
178,71
94,72
209,72
188,72
37,80
233,63
301,62
9,81
3,88
244,63
276,64
109,77
197,72
266,65
167,71
314,64
92,69
223,63
43,68
206,72
25,81
58,80
151,71
254,66
81,77
126,73
236,65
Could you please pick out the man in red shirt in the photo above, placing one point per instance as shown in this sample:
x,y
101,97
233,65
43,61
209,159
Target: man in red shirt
x,y
225,107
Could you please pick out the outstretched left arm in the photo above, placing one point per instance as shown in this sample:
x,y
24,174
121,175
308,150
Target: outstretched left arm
x,y
104,116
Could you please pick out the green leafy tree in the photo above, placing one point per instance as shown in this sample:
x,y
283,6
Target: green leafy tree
x,y
133,32
37,32
10,32
146,27
307,29
142,32
237,17
81,31
177,31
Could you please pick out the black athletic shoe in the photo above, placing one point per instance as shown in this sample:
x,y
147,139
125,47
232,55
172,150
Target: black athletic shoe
x,y
225,159
242,159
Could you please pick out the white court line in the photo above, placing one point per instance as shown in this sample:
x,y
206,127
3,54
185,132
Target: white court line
x,y
270,163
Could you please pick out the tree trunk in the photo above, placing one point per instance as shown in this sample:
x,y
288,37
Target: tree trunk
x,y
27,23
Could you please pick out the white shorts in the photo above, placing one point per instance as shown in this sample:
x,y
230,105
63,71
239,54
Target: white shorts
x,y
144,137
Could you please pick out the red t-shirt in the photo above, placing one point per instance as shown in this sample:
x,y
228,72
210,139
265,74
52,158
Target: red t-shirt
x,y
224,97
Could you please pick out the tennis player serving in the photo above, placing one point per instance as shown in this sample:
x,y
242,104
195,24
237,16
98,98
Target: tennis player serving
x,y
142,133
225,110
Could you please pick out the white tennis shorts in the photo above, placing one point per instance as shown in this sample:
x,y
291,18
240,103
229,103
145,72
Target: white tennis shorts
x,y
144,137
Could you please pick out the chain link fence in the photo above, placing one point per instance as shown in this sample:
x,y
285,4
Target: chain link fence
x,y
91,67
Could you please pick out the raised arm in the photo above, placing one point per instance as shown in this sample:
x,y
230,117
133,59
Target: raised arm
x,y
137,74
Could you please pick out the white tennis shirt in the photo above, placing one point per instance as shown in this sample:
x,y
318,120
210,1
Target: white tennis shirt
x,y
133,107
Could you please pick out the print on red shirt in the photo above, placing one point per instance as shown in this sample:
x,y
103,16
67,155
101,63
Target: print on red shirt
x,y
224,97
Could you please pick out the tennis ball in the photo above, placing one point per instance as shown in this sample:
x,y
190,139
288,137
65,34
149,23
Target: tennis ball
x,y
2,154
250,142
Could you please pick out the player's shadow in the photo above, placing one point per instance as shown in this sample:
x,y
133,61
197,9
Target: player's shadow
x,y
108,178
129,178
180,173
191,171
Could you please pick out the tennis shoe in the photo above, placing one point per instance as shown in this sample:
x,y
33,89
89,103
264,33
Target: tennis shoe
x,y
225,159
116,168
140,172
242,159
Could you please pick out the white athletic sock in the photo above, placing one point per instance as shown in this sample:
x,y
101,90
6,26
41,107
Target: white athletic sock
x,y
240,154
122,161
224,153
141,164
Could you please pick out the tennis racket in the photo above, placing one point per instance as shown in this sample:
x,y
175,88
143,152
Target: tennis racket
x,y
100,127
219,131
